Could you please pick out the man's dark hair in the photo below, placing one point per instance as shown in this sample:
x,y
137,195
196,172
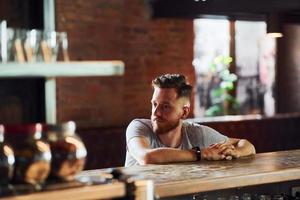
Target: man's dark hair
x,y
177,81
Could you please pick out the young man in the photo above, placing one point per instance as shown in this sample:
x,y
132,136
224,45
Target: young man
x,y
167,138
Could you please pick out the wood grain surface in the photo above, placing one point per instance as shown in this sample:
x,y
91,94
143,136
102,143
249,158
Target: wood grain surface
x,y
189,178
105,191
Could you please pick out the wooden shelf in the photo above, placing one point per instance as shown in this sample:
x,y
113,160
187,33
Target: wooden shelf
x,y
50,71
62,69
105,191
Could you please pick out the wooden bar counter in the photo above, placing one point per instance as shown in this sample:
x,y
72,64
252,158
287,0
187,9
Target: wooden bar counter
x,y
191,178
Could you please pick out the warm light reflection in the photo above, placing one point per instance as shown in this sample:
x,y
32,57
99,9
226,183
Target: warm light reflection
x,y
43,147
1,133
80,150
275,35
38,131
10,155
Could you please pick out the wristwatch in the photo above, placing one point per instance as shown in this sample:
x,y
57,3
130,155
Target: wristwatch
x,y
197,152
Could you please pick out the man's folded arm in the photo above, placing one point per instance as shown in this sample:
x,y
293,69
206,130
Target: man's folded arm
x,y
140,149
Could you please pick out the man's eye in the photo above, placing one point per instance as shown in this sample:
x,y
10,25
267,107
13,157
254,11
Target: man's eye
x,y
166,107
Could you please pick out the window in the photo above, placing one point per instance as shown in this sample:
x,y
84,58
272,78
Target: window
x,y
253,56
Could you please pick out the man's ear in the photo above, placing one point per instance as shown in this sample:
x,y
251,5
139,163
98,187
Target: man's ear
x,y
186,111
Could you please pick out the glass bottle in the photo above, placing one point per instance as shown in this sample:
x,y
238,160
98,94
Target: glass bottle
x,y
264,197
68,150
246,196
278,197
32,155
234,197
7,159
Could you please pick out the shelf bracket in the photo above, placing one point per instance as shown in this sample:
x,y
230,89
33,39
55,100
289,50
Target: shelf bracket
x,y
50,100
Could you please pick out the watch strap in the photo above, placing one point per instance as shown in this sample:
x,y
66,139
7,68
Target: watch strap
x,y
197,152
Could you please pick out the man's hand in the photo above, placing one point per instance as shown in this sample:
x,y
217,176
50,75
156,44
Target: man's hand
x,y
233,148
218,151
228,150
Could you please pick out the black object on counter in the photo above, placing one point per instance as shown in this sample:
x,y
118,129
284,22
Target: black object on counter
x,y
130,186
68,150
32,155
7,160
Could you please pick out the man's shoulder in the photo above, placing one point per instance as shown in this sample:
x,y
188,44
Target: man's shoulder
x,y
140,124
192,125
140,121
193,128
139,127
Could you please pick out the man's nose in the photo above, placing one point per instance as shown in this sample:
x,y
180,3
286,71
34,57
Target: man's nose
x,y
156,111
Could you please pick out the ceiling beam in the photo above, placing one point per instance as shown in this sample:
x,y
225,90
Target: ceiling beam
x,y
233,8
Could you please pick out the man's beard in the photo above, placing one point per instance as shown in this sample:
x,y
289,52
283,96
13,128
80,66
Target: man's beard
x,y
164,127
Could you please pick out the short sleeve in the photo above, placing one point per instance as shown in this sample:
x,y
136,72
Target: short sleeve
x,y
138,128
211,136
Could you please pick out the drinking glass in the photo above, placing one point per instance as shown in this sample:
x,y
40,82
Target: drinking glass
x,y
64,45
3,41
10,52
32,44
50,45
17,48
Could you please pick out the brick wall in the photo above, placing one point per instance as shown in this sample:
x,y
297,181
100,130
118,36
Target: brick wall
x,y
118,29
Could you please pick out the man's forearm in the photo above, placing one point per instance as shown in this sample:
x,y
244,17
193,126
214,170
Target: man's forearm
x,y
242,148
168,155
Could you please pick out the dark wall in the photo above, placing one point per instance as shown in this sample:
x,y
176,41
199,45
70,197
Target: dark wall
x,y
22,100
106,147
276,133
288,70
22,14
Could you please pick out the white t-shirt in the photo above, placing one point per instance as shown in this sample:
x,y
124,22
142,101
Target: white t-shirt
x,y
193,135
